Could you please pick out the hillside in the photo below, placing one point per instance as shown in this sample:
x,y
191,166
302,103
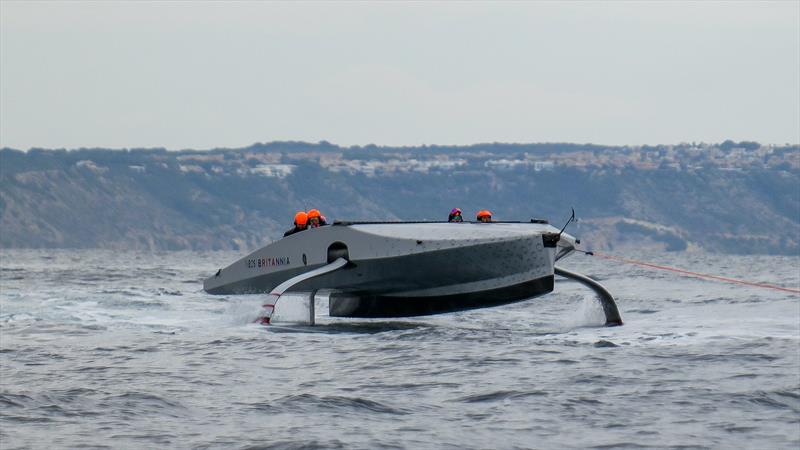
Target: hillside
x,y
728,197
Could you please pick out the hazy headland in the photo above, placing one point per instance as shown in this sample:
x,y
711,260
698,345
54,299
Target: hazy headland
x,y
731,197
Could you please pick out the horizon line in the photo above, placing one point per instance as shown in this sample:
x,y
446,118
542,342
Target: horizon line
x,y
373,145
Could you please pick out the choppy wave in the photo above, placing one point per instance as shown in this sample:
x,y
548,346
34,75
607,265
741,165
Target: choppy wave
x,y
102,352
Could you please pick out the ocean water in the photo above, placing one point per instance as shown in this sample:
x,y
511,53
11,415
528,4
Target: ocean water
x,y
102,349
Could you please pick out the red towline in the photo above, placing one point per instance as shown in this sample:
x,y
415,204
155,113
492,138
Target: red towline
x,y
697,274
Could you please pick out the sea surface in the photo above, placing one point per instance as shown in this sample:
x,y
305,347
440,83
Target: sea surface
x,y
103,349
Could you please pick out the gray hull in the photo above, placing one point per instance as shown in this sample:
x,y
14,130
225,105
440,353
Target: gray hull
x,y
405,269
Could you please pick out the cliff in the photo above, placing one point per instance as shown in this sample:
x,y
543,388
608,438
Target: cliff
x,y
734,198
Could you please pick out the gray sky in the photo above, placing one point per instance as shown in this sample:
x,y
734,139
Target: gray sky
x,y
203,74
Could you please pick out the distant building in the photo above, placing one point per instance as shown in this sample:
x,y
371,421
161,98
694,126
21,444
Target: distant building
x,y
273,170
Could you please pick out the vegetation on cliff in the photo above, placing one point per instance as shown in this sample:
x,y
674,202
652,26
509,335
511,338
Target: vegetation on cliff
x,y
729,197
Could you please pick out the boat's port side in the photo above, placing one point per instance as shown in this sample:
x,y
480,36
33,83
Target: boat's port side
x,y
401,260
367,305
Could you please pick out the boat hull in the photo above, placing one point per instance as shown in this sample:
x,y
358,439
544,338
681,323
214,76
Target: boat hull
x,y
399,270
375,306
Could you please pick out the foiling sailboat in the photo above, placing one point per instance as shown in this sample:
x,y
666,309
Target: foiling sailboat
x,y
403,269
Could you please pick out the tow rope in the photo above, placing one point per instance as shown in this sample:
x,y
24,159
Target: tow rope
x,y
690,273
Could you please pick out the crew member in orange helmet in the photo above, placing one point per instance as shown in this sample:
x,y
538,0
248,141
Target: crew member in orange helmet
x,y
484,216
315,219
300,223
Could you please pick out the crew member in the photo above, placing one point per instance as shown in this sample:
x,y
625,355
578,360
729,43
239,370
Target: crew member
x,y
484,216
455,215
300,223
315,219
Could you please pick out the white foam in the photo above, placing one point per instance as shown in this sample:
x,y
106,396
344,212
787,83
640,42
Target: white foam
x,y
292,308
245,309
589,313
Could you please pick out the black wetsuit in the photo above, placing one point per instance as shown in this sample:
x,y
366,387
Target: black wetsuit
x,y
321,223
293,230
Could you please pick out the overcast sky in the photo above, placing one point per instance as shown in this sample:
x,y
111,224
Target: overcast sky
x,y
203,74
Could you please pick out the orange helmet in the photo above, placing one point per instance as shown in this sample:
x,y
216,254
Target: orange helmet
x,y
313,213
484,213
301,218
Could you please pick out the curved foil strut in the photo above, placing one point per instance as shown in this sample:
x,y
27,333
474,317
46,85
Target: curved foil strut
x,y
610,310
288,284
